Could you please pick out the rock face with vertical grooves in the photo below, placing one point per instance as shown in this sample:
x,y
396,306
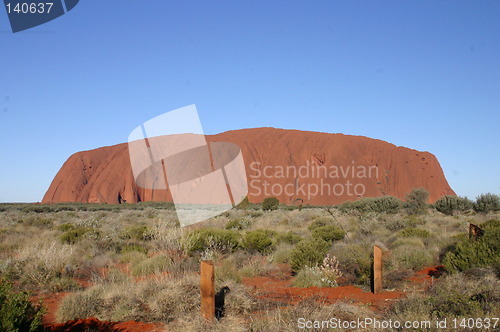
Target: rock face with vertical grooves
x,y
294,166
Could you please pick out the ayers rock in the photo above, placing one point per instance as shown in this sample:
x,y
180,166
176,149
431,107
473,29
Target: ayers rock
x,y
294,166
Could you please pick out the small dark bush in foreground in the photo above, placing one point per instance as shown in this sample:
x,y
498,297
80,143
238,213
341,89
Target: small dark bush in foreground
x,y
17,313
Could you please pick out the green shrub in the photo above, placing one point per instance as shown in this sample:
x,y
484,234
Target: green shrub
x,y
66,227
416,201
487,202
289,237
237,224
223,239
308,252
469,253
328,233
72,236
270,203
413,231
259,240
451,204
319,222
387,204
136,232
17,312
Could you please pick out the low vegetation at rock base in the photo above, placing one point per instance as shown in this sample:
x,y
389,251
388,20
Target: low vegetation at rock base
x,y
134,262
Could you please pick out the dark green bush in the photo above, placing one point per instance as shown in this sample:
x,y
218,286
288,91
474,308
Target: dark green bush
x,y
223,239
416,201
451,204
73,235
259,240
487,202
17,312
310,252
270,203
413,231
319,222
328,233
469,253
289,237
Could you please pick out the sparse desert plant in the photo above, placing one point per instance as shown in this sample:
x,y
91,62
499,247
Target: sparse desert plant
x,y
42,264
270,203
222,239
282,253
151,265
416,201
259,240
308,310
324,275
413,231
237,224
319,222
382,204
289,237
309,252
451,204
137,232
407,257
455,296
328,233
387,204
487,202
309,277
17,312
73,235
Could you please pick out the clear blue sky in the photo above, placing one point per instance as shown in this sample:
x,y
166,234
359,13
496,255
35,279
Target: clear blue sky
x,y
421,74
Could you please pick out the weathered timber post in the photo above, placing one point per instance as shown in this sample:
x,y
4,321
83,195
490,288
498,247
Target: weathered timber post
x,y
377,270
475,232
207,287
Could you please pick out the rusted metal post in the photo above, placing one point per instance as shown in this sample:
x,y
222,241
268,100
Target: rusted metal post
x,y
377,270
207,286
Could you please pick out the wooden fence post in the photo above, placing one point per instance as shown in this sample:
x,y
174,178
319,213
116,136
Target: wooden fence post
x,y
207,286
377,270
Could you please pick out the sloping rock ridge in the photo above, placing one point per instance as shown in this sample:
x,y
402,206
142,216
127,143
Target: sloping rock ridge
x,y
297,167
